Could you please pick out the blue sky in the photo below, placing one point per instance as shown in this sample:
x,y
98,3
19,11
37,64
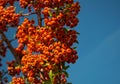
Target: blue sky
x,y
99,43
99,48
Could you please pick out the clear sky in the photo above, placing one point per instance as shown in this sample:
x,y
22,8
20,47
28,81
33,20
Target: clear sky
x,y
99,43
99,48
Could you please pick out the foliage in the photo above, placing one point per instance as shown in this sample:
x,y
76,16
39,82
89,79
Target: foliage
x,y
43,49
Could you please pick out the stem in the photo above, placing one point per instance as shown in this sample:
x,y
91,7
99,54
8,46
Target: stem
x,y
4,38
59,70
4,75
39,17
27,14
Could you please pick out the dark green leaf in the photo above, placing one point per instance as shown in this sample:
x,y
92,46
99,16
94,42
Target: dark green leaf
x,y
67,5
47,82
66,30
69,83
66,67
21,12
77,42
67,75
74,47
78,33
66,11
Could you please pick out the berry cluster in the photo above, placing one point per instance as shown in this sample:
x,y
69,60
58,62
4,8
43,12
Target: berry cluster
x,y
45,49
43,3
5,2
13,69
60,79
65,15
18,81
56,12
8,17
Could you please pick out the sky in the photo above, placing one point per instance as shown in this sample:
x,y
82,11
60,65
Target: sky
x,y
99,43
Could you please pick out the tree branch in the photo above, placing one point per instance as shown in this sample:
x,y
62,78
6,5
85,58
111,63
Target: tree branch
x,y
39,17
4,38
27,14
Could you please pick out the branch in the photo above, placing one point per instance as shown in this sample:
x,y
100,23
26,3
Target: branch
x,y
39,17
4,38
4,74
27,14
12,40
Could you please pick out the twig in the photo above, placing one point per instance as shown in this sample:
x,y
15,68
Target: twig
x,y
4,74
12,40
27,14
4,38
39,17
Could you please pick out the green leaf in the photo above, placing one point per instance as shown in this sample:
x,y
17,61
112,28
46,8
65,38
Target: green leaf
x,y
67,75
21,12
66,11
77,42
78,33
74,47
66,67
47,82
46,64
45,60
67,5
39,42
10,82
55,8
15,8
23,77
50,13
66,30
51,75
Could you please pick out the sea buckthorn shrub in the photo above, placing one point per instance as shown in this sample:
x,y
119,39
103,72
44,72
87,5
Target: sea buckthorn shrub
x,y
45,45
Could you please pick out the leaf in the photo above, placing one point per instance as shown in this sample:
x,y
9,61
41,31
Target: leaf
x,y
63,64
47,82
55,8
74,47
77,42
23,77
21,12
67,5
10,82
67,75
15,8
45,60
66,11
78,33
50,13
39,42
51,75
66,30
46,64
69,83
66,67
